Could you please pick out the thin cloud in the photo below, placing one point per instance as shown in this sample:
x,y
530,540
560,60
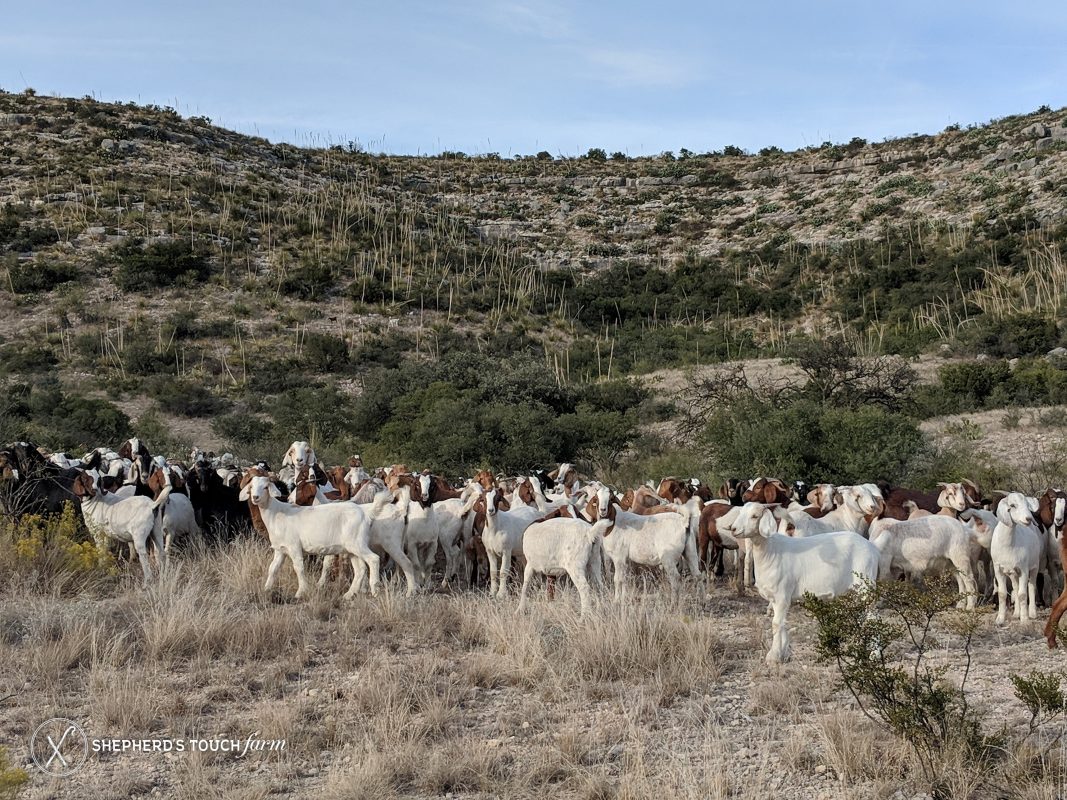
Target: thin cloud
x,y
542,20
640,68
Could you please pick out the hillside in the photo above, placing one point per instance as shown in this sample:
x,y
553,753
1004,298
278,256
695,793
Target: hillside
x,y
144,251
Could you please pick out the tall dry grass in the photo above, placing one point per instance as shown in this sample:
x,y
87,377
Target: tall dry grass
x,y
399,697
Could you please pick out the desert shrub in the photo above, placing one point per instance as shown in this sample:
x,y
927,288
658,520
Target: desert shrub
x,y
1042,694
12,778
841,421
1011,337
242,428
813,442
974,380
51,552
160,264
18,238
382,351
469,410
45,412
140,357
152,427
310,281
25,277
27,356
269,373
1037,380
318,414
326,353
187,398
880,641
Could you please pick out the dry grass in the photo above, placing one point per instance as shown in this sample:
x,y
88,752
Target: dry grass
x,y
443,694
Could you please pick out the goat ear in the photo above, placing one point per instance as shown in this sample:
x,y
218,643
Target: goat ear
x,y
274,490
312,460
838,497
287,459
768,526
1004,513
1031,503
244,492
942,486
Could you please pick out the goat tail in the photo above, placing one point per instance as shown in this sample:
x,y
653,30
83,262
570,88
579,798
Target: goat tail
x,y
378,505
403,501
691,555
160,501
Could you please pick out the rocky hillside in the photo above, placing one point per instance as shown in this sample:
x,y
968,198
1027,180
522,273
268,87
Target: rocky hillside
x,y
137,246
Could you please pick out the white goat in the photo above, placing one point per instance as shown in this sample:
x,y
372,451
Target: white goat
x,y
502,538
179,519
125,519
826,565
453,520
920,545
420,535
330,529
655,540
300,454
386,536
563,546
856,504
1016,550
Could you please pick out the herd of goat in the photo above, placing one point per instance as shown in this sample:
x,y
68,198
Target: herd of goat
x,y
784,539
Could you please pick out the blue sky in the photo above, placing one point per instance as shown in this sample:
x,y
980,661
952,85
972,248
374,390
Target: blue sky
x,y
519,76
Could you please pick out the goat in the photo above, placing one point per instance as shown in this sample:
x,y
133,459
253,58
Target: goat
x,y
420,536
31,484
179,519
895,498
217,504
562,546
827,565
1052,516
1016,550
766,490
818,502
300,454
449,511
134,520
388,519
917,546
659,540
710,545
330,529
857,504
502,538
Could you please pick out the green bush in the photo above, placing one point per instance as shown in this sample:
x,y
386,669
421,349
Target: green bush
x,y
44,412
326,353
187,398
242,428
880,640
1011,337
158,265
12,778
974,380
25,357
469,410
812,442
140,358
25,277
308,282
